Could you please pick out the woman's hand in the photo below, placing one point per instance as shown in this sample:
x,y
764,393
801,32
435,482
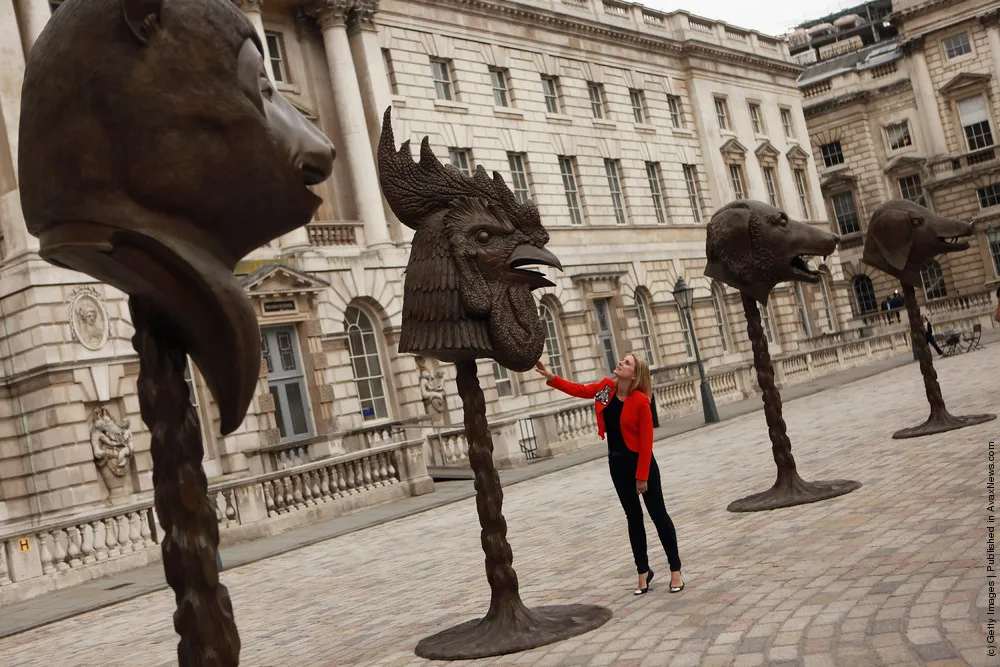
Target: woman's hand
x,y
541,370
640,486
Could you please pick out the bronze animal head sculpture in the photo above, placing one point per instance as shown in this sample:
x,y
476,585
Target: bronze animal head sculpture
x,y
903,236
753,246
160,160
466,294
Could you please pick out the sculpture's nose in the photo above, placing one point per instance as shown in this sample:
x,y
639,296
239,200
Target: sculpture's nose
x,y
315,160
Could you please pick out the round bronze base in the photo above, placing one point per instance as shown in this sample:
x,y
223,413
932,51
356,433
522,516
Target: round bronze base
x,y
503,633
941,423
793,491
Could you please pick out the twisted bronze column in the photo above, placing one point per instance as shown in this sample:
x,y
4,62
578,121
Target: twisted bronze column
x,y
509,626
204,615
789,489
940,419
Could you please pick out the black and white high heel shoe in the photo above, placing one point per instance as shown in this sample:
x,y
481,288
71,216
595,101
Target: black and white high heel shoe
x,y
643,591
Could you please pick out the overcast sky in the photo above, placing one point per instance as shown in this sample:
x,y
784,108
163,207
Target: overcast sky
x,y
772,17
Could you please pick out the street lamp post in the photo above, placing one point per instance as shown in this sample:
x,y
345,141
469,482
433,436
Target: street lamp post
x,y
684,296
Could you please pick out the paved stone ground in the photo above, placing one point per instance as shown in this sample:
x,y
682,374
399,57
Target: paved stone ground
x,y
892,574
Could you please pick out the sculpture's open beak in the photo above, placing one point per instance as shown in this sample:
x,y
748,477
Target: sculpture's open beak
x,y
527,254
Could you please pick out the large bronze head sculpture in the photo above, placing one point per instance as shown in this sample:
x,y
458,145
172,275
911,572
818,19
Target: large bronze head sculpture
x,y
753,246
903,236
161,159
466,293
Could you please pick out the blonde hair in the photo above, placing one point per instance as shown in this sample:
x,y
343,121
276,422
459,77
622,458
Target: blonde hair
x,y
643,379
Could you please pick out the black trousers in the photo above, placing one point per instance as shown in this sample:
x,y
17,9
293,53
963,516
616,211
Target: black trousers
x,y
623,475
933,343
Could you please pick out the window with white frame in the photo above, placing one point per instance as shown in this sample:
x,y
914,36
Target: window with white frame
x,y
286,381
441,71
366,361
567,169
722,113
864,294
639,110
674,108
756,118
194,397
800,304
613,170
501,94
993,238
833,154
553,348
653,176
694,198
551,93
519,176
276,54
911,188
846,213
898,135
803,190
736,180
685,333
956,46
605,334
786,122
765,320
771,184
827,315
989,196
933,281
645,331
461,159
718,306
505,386
597,100
975,122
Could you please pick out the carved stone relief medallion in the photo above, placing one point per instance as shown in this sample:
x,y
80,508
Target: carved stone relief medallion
x,y
88,319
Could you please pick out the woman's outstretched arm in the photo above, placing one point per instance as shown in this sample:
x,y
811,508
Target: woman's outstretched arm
x,y
567,387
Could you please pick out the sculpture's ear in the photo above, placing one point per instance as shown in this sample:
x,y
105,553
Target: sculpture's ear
x,y
728,235
142,17
893,234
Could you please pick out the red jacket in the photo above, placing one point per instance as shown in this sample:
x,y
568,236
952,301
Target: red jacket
x,y
636,421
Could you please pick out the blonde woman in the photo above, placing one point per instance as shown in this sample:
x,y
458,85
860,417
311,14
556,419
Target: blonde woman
x,y
624,415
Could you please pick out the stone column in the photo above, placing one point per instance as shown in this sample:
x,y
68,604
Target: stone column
x,y
991,21
34,15
332,16
923,91
252,8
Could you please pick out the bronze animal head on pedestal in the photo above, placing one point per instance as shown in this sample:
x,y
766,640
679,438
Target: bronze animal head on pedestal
x,y
467,293
903,236
158,161
753,246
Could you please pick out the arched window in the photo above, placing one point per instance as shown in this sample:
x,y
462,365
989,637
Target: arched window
x,y
645,331
864,294
800,304
367,364
720,318
933,280
552,346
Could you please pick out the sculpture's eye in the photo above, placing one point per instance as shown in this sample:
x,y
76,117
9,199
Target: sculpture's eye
x,y
916,222
483,236
266,88
783,220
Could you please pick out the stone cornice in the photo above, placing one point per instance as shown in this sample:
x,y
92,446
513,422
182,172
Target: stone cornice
x,y
329,13
991,18
863,96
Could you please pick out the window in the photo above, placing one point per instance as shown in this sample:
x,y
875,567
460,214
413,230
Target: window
x,y
461,160
765,320
276,54
846,213
756,118
674,107
645,333
442,79
771,183
993,237
639,111
501,96
567,167
786,122
286,380
505,386
605,338
827,304
390,71
898,135
193,395
552,346
933,281
832,154
722,113
686,333
800,303
975,122
989,196
551,93
691,181
367,365
519,177
911,188
800,185
736,179
596,92
613,169
720,319
653,175
864,295
958,45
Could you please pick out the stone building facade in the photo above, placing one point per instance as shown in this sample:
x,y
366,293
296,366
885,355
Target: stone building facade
x,y
909,111
627,126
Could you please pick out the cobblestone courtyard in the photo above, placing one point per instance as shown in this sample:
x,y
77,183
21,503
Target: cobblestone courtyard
x,y
892,574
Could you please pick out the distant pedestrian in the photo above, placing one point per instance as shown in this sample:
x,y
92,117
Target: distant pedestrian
x,y
897,303
623,413
929,335
996,315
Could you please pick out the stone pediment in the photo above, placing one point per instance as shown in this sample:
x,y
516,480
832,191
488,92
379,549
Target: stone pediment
x,y
767,154
904,163
734,148
306,113
280,279
962,81
796,155
838,180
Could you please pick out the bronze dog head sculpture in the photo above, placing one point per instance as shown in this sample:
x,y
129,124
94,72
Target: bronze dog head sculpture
x,y
466,293
753,246
155,154
903,236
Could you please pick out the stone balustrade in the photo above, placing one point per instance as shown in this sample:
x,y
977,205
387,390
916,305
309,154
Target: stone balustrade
x,y
959,312
449,448
961,165
338,233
